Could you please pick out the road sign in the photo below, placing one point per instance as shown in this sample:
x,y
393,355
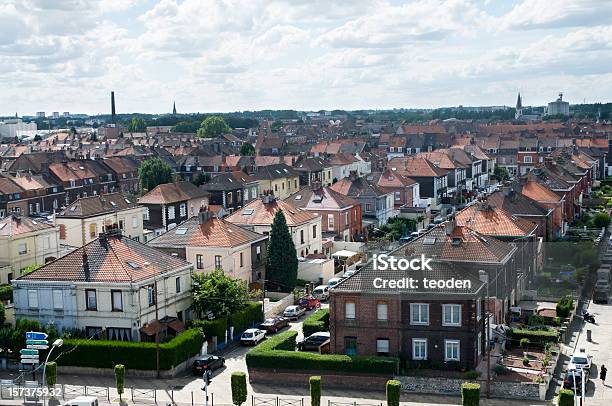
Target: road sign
x,y
37,342
28,352
27,356
29,361
38,347
36,335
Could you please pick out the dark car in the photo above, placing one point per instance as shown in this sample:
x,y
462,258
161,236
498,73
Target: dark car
x,y
272,325
313,342
568,382
207,362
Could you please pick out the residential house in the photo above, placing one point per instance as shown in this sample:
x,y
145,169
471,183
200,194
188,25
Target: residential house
x,y
343,164
405,190
125,171
11,198
41,193
280,179
433,181
113,288
232,190
314,170
211,243
377,205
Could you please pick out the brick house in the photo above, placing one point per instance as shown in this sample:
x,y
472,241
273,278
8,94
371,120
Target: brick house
x,y
440,328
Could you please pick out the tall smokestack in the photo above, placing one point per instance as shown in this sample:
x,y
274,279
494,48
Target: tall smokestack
x,y
113,107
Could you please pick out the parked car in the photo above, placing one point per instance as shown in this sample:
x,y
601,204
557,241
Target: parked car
x,y
334,281
205,363
348,273
309,302
82,401
572,377
252,336
272,325
294,312
321,292
580,360
313,341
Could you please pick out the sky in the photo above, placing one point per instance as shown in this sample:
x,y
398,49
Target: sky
x,y
234,55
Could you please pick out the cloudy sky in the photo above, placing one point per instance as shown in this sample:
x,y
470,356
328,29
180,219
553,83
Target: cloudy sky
x,y
229,55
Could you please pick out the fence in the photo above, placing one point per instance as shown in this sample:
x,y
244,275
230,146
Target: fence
x,y
275,401
330,403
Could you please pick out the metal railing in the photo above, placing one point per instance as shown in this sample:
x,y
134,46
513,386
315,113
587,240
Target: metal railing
x,y
275,401
144,394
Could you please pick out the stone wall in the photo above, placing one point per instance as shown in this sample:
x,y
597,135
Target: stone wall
x,y
300,378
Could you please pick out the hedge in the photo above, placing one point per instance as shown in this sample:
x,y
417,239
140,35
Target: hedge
x,y
393,392
239,388
540,337
318,321
278,353
566,397
212,328
6,292
565,306
134,355
470,394
315,390
245,318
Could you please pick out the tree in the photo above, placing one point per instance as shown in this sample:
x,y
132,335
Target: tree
x,y
218,293
566,397
281,261
239,388
2,314
247,149
315,390
186,127
601,219
501,173
200,179
213,127
137,125
393,392
29,269
120,379
154,172
276,126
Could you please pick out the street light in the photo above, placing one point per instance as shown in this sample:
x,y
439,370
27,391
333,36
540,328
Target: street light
x,y
57,343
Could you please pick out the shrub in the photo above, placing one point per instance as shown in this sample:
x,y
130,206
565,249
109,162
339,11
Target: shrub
x,y
51,374
393,392
539,337
564,306
120,378
247,317
212,328
566,397
278,353
525,361
535,320
134,355
315,390
6,292
318,321
524,342
470,394
500,369
239,388
472,375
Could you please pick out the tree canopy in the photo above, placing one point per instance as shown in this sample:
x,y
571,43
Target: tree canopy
x,y
281,261
213,126
218,293
501,173
137,125
186,127
247,149
154,172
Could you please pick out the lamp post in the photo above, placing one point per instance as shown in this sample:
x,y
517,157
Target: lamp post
x,y
57,343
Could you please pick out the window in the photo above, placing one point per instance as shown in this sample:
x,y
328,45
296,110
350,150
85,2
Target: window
x,y
478,310
350,345
177,284
314,231
349,311
398,195
330,221
346,218
33,299
419,349
230,198
199,261
146,214
134,221
116,300
258,252
527,159
171,213
295,183
121,224
479,344
93,230
382,311
62,232
451,315
301,236
151,294
382,346
72,183
217,261
451,350
23,248
58,299
419,313
276,188
241,260
91,301
183,209
368,207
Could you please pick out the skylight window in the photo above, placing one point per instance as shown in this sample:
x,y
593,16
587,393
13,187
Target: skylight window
x,y
248,212
298,197
429,240
127,201
72,208
113,204
181,231
133,265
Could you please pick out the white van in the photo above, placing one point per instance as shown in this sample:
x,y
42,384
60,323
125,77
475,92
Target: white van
x,y
333,282
82,401
321,292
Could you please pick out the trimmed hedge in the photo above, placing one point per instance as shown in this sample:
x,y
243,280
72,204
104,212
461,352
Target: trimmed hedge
x,y
6,292
245,318
318,321
134,355
540,337
279,352
239,388
393,392
212,328
315,390
566,397
470,394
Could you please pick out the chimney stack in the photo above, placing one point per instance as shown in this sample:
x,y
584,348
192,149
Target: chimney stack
x,y
204,216
86,265
449,225
113,107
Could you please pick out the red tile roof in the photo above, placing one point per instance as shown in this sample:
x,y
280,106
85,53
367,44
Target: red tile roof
x,y
259,213
495,221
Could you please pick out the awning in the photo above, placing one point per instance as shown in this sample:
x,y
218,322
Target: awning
x,y
344,254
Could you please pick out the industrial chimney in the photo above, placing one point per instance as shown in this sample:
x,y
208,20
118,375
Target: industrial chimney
x,y
113,107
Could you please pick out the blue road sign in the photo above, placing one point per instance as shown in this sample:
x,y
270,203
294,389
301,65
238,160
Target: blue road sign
x,y
36,335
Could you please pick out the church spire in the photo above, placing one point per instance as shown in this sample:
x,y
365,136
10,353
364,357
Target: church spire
x,y
174,108
519,107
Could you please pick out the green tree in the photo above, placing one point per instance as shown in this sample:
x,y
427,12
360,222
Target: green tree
x,y
154,172
218,293
137,125
239,388
247,149
315,390
29,269
393,392
276,126
601,219
213,127
501,173
120,379
186,127
281,261
200,179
